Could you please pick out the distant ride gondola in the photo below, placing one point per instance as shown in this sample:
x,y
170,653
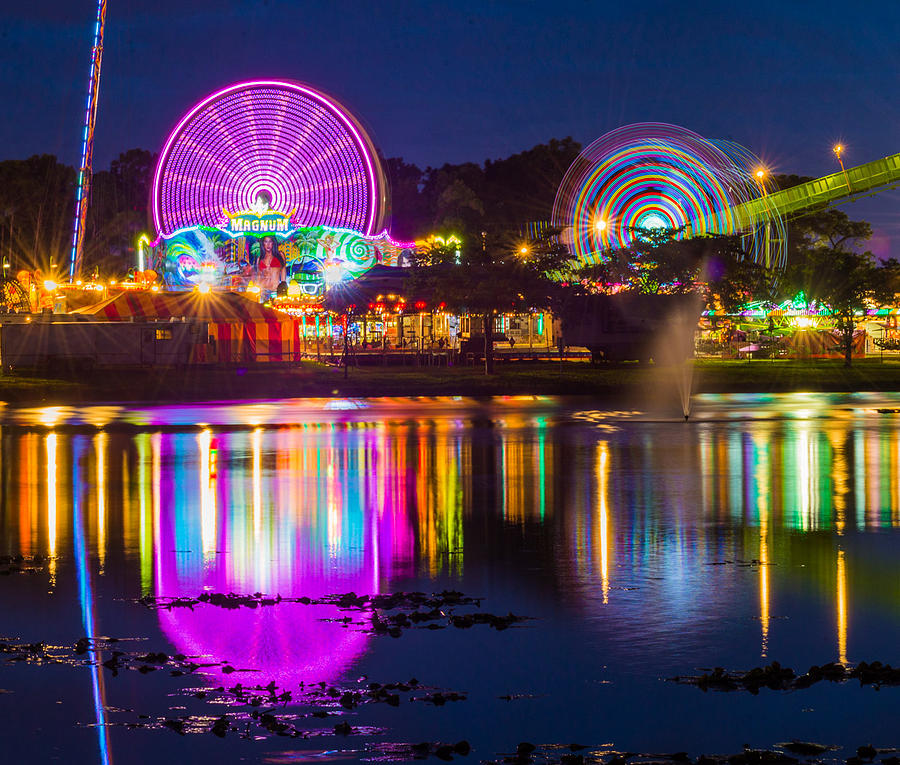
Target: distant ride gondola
x,y
13,297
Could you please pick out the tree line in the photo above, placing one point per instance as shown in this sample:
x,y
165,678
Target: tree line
x,y
486,206
37,209
37,203
503,272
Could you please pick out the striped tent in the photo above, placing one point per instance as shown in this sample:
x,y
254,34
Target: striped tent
x,y
239,330
163,306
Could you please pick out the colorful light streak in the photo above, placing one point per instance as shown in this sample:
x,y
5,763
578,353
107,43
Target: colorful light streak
x,y
208,516
142,243
769,236
100,491
86,600
300,146
51,504
654,175
145,530
272,537
83,186
603,515
761,474
842,607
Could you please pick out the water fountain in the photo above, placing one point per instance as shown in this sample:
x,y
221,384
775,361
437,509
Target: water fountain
x,y
673,357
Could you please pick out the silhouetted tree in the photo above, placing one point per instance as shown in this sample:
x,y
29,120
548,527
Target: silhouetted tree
x,y
37,201
410,218
819,226
732,278
654,262
522,187
466,199
118,211
847,282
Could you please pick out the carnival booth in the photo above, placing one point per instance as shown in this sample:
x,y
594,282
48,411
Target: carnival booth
x,y
236,330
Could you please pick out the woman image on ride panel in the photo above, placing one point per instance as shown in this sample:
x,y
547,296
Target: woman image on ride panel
x,y
270,266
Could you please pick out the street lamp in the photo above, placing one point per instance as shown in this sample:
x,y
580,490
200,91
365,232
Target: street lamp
x,y
761,180
838,150
600,226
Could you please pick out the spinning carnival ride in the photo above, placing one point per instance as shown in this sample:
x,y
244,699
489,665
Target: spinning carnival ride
x,y
270,171
656,176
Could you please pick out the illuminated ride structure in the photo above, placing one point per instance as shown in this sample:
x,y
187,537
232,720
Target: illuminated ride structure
x,y
652,176
657,176
13,296
85,170
269,175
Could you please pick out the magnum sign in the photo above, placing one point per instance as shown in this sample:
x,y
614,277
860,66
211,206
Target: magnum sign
x,y
260,219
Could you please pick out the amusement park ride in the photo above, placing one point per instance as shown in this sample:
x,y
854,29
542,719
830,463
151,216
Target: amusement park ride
x,y
653,175
269,182
265,182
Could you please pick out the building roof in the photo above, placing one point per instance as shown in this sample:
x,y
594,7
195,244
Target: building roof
x,y
213,306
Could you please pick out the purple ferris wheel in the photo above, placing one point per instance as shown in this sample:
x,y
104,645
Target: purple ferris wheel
x,y
301,148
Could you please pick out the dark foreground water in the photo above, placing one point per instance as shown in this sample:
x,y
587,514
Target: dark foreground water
x,y
765,529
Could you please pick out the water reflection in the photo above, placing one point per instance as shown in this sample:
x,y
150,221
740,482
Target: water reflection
x,y
347,501
51,504
85,591
841,607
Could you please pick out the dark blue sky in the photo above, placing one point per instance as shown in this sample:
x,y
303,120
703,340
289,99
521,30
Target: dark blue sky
x,y
461,81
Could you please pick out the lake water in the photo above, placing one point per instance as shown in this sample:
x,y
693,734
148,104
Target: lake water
x,y
639,548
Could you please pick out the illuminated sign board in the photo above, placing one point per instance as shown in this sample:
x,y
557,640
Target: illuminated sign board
x,y
260,219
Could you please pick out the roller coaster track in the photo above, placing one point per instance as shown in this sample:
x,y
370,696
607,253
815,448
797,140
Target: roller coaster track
x,y
855,182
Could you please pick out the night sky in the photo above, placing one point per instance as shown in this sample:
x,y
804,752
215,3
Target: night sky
x,y
467,81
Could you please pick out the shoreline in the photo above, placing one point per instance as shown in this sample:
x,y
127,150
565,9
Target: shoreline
x,y
624,383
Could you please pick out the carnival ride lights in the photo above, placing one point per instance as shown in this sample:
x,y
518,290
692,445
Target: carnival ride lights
x,y
83,188
334,272
303,148
657,176
436,240
143,242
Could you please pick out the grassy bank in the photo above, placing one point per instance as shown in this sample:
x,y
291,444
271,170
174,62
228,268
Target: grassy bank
x,y
622,382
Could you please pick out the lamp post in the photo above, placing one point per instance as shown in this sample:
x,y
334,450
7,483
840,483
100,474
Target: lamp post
x,y
761,180
12,216
838,150
600,227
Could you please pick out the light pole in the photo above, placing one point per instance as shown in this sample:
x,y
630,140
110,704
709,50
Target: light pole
x,y
12,217
838,150
761,180
600,228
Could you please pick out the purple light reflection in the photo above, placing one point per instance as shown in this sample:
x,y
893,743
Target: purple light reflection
x,y
291,512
